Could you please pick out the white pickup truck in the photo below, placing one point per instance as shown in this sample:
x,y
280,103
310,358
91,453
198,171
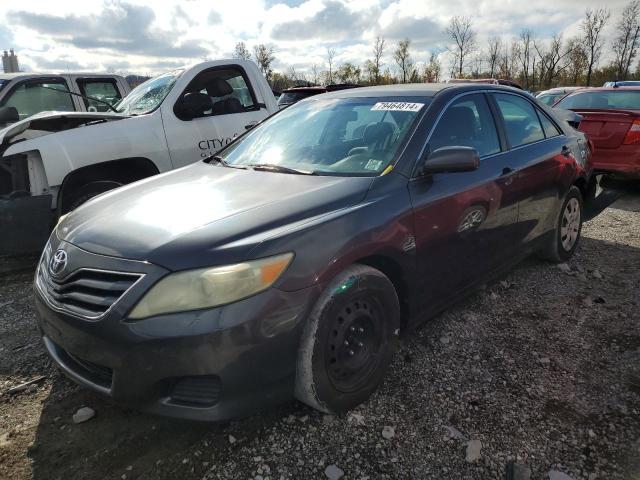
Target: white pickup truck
x,y
52,162
25,94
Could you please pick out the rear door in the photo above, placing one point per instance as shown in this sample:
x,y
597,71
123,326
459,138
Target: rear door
x,y
236,108
104,89
463,221
540,157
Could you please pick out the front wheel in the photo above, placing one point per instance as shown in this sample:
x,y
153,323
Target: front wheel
x,y
87,192
348,340
568,228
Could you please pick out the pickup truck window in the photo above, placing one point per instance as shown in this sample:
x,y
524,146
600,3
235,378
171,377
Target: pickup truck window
x,y
344,136
148,96
616,99
30,97
104,89
227,88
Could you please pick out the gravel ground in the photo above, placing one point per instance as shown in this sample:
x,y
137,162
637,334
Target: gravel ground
x,y
537,374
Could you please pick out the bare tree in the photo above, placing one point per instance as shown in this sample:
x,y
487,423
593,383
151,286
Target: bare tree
x,y
403,59
493,54
378,50
592,25
315,74
553,60
241,51
433,69
264,58
525,54
576,61
331,53
461,32
625,43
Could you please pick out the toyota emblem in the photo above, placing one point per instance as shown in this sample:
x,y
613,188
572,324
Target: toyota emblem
x,y
58,262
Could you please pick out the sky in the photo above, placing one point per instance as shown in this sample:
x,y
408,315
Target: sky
x,y
144,37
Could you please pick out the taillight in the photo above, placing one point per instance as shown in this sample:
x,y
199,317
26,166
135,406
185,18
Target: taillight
x,y
633,135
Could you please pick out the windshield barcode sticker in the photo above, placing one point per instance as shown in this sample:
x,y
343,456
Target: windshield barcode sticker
x,y
398,106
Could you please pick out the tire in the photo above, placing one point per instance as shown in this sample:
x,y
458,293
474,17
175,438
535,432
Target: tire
x,y
348,340
566,235
86,192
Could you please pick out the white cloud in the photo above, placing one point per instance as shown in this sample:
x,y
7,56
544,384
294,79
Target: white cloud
x,y
140,37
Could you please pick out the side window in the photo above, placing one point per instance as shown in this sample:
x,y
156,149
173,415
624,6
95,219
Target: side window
x,y
32,97
100,89
467,122
227,88
550,129
520,120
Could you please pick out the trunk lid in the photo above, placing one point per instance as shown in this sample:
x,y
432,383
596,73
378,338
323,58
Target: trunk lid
x,y
607,129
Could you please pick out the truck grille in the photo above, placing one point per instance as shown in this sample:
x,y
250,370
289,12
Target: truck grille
x,y
85,292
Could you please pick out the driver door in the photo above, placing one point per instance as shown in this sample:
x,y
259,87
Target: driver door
x,y
235,109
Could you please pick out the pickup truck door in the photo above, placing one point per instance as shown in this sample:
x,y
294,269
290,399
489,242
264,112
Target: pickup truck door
x,y
237,106
39,94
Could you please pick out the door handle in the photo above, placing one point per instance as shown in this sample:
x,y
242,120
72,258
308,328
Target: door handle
x,y
566,151
250,125
508,173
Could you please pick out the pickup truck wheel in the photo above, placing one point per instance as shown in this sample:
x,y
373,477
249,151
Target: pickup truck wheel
x,y
86,192
568,228
348,340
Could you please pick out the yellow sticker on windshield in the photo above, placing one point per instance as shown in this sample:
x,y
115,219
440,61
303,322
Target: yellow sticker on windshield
x,y
397,106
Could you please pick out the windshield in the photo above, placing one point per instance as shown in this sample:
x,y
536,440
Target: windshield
x,y
345,136
616,99
146,97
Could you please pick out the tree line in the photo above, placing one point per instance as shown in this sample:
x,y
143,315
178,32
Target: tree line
x,y
533,62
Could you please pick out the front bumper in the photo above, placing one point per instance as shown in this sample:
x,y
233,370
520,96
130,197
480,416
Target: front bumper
x,y
203,365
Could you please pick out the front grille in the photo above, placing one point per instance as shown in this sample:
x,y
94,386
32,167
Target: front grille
x,y
86,292
203,391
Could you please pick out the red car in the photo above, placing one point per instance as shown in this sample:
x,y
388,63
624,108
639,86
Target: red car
x,y
611,120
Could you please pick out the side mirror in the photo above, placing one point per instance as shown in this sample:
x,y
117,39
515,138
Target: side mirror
x,y
9,115
452,159
194,105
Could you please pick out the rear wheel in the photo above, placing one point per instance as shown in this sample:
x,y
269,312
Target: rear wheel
x,y
568,228
348,340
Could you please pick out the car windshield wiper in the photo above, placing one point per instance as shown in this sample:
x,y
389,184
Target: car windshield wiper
x,y
223,162
270,167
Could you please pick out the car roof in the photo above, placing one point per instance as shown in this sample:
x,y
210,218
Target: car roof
x,y
415,90
610,89
11,76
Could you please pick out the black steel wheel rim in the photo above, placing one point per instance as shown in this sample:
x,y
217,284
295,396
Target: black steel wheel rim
x,y
353,348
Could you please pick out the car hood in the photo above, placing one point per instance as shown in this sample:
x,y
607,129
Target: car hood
x,y
204,214
52,122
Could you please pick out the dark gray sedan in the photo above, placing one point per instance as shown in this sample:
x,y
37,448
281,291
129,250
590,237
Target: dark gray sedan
x,y
288,265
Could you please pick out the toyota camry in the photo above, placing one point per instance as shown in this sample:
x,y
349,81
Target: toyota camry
x,y
288,265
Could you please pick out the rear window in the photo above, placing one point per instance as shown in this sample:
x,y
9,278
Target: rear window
x,y
550,98
293,97
616,99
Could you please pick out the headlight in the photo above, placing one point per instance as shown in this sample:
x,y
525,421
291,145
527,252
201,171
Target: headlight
x,y
210,287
